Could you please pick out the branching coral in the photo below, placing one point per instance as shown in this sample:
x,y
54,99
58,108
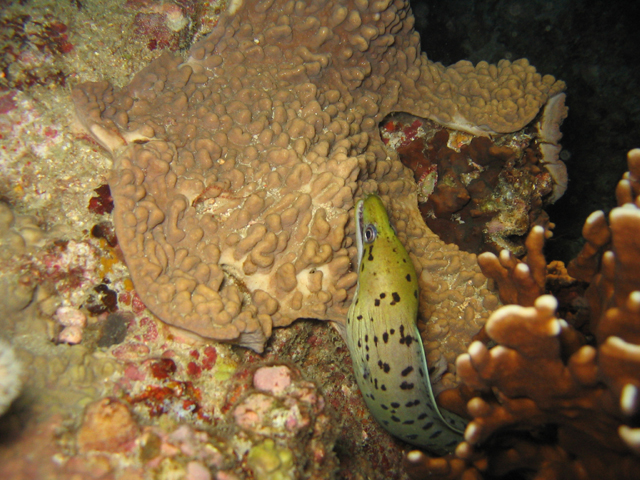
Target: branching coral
x,y
549,400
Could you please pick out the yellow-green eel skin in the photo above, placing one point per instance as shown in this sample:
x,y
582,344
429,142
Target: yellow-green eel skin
x,y
383,338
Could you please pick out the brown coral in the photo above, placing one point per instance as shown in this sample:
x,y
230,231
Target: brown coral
x,y
547,401
236,170
108,426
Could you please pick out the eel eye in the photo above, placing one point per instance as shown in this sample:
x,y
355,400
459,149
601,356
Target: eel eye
x,y
370,234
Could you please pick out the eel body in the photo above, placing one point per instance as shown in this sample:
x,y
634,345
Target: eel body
x,y
383,338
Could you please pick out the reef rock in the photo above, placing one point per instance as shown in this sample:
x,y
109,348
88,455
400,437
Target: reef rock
x,y
236,170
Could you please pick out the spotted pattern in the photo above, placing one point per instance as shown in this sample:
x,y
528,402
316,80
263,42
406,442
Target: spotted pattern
x,y
387,352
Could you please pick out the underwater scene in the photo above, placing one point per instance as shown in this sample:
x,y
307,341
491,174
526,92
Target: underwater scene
x,y
319,239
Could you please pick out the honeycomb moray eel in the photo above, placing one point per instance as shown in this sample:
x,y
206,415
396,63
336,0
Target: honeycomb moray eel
x,y
382,335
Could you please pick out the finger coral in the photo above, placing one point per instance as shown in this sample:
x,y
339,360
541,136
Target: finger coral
x,y
551,399
235,171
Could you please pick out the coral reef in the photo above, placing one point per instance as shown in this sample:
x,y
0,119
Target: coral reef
x,y
109,443
236,170
31,50
587,55
184,408
551,399
174,401
282,406
278,429
167,25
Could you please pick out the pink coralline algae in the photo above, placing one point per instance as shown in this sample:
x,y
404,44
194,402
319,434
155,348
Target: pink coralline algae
x,y
159,380
130,351
69,316
111,443
71,268
149,330
71,335
154,384
28,50
272,379
73,320
203,362
283,406
260,413
164,24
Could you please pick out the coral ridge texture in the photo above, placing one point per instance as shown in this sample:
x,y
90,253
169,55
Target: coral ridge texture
x,y
236,170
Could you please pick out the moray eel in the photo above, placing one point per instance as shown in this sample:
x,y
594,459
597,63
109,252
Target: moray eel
x,y
382,335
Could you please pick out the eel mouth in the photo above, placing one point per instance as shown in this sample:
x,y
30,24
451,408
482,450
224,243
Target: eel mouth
x,y
359,214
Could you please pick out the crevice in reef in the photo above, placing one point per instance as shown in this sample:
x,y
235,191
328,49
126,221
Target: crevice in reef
x,y
481,193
